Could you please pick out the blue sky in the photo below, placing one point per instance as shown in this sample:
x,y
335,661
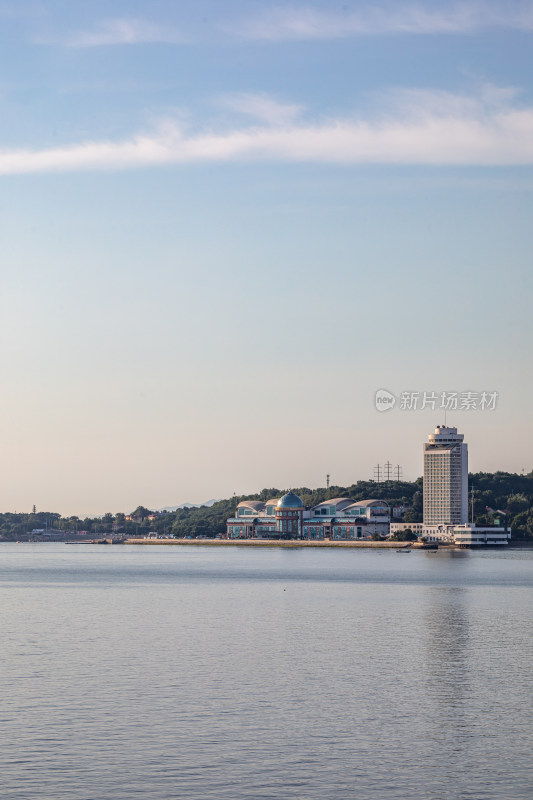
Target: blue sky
x,y
225,225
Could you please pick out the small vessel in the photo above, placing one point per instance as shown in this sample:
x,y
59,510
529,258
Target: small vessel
x,y
404,550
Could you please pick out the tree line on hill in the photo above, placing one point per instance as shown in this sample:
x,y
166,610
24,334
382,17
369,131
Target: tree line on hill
x,y
502,498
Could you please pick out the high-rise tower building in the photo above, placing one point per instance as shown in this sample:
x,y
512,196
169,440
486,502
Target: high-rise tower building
x,y
445,478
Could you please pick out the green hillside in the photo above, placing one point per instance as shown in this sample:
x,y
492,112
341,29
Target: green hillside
x,y
499,497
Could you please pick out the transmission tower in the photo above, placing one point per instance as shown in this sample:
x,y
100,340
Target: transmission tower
x,y
327,480
398,472
377,473
387,468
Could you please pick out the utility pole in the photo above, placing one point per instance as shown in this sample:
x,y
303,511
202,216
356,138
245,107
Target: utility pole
x,y
398,472
377,473
327,480
388,470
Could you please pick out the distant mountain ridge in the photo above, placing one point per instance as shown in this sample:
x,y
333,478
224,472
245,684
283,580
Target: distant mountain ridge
x,y
207,504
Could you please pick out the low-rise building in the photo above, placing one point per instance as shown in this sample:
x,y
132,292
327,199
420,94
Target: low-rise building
x,y
398,511
400,527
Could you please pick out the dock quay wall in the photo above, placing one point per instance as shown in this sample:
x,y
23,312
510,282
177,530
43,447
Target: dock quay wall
x,y
269,543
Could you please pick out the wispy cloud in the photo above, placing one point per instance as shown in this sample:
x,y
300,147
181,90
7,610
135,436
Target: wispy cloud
x,y
310,22
262,107
419,128
124,31
306,22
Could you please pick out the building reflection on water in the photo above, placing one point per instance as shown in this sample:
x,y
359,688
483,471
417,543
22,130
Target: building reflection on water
x,y
447,678
446,625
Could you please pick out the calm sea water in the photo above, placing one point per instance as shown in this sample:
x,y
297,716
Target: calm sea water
x,y
197,672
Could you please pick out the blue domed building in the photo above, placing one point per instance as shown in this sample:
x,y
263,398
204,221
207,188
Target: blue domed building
x,y
277,518
289,515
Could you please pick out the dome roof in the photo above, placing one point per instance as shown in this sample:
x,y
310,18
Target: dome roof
x,y
290,500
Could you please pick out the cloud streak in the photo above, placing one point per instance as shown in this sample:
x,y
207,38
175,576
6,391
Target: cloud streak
x,y
308,23
124,32
421,128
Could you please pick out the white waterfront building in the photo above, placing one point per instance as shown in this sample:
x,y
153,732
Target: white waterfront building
x,y
471,535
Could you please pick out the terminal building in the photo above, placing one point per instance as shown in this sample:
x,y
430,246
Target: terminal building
x,y
287,518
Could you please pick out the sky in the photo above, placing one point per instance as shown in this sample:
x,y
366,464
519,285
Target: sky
x,y
224,226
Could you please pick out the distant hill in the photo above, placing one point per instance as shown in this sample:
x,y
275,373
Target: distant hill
x,y
207,504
